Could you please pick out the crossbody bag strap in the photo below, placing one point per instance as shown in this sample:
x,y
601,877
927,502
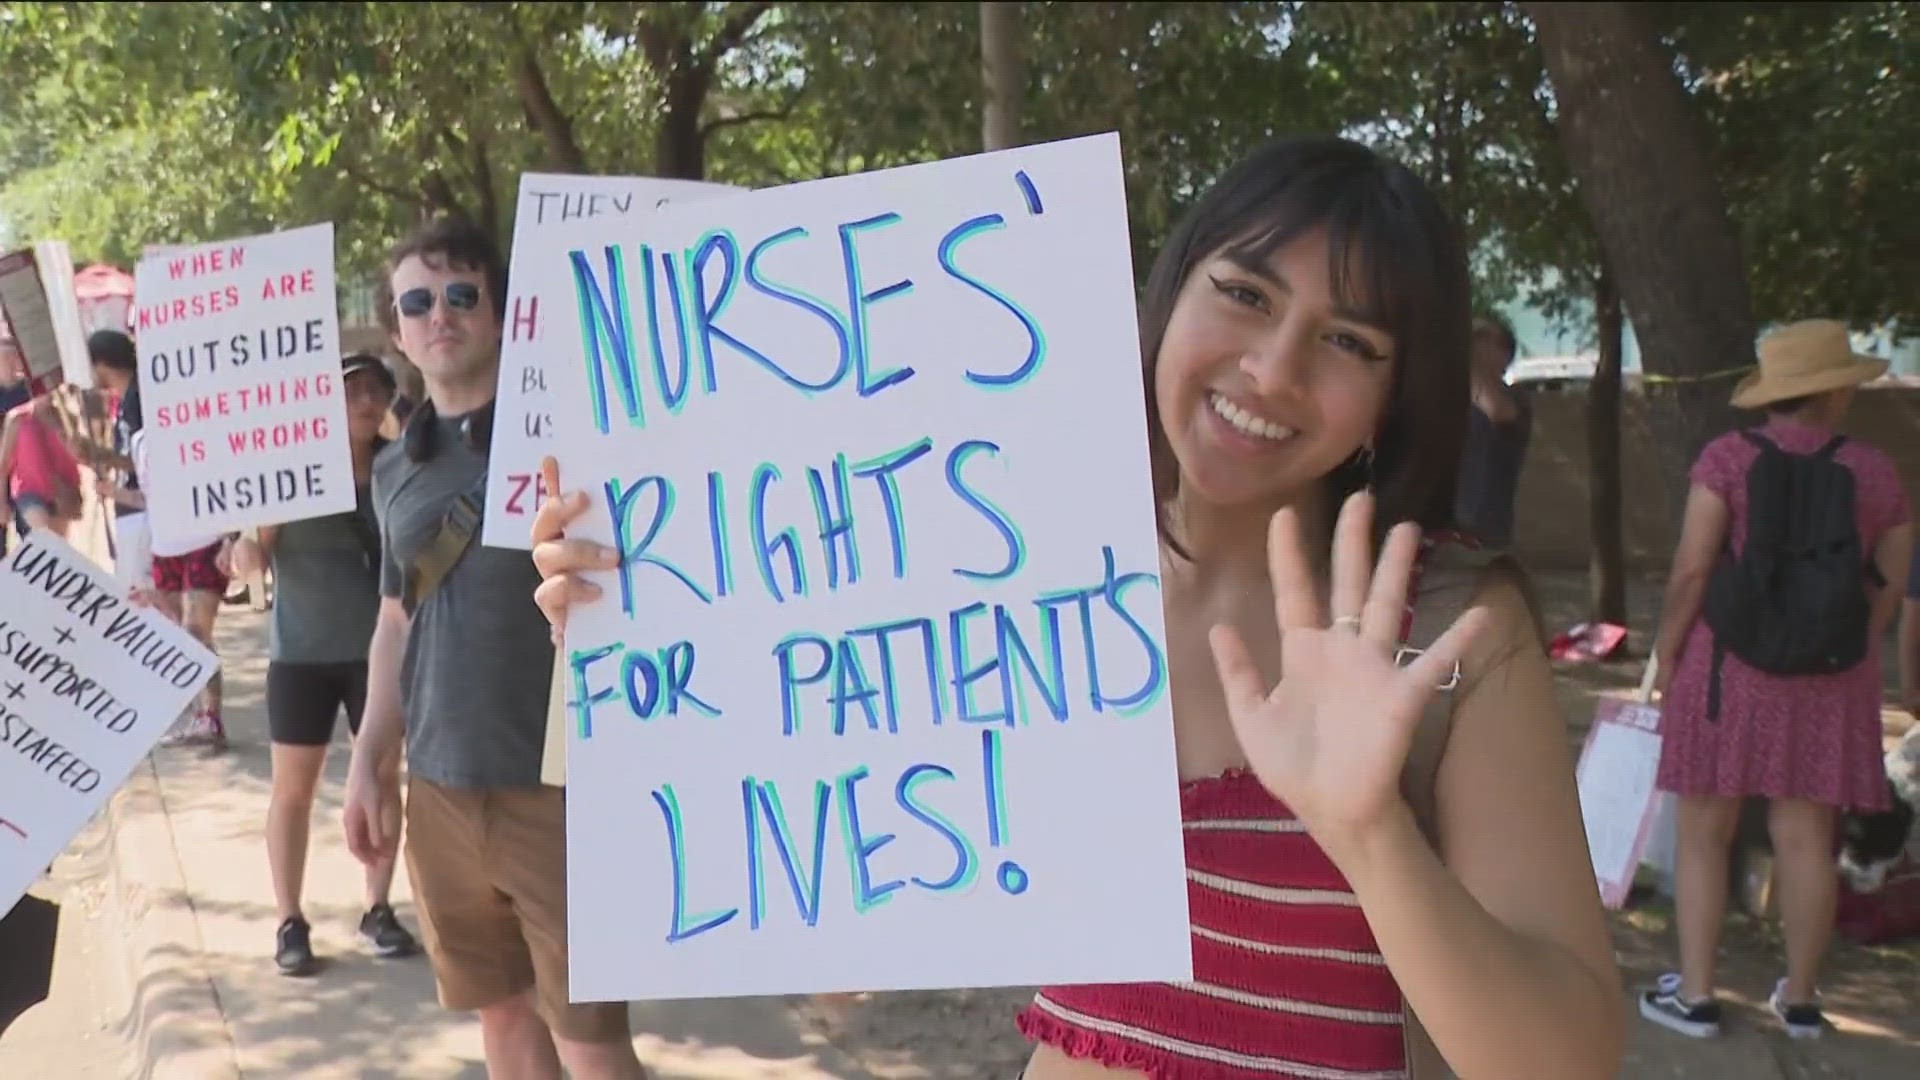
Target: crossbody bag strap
x,y
437,558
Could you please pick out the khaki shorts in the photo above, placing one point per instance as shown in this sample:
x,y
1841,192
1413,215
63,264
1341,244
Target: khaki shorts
x,y
489,874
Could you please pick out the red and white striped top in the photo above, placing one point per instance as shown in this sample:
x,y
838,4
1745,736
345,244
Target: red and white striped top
x,y
1288,980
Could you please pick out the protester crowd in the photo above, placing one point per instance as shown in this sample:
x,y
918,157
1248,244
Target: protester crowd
x,y
1362,407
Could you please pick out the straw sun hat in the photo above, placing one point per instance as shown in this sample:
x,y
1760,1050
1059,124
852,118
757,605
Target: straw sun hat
x,y
1805,358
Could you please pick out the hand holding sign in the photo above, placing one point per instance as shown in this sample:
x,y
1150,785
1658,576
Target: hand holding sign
x,y
1331,738
558,558
883,641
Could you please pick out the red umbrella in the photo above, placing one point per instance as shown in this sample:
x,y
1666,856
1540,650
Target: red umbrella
x,y
105,293
102,280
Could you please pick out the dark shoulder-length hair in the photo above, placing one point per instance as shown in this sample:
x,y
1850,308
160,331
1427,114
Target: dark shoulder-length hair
x,y
1397,257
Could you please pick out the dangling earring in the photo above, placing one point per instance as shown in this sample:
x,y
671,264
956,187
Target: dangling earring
x,y
1363,460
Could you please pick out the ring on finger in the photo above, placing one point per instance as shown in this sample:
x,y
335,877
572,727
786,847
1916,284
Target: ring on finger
x,y
1348,622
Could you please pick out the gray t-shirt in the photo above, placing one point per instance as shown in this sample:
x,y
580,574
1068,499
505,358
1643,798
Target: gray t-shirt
x,y
479,658
326,579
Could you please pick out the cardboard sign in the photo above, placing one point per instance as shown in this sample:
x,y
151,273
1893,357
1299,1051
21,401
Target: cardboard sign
x,y
43,315
551,207
88,683
877,700
246,414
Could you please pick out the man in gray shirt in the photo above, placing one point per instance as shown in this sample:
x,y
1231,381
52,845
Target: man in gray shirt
x,y
462,651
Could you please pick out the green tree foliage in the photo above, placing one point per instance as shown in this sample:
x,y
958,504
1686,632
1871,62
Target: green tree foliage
x,y
107,141
132,123
1813,112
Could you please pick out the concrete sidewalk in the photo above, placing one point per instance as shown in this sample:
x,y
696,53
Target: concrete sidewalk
x,y
166,972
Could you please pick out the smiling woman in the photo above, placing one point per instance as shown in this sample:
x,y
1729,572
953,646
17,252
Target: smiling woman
x,y
1385,861
1289,222
1352,834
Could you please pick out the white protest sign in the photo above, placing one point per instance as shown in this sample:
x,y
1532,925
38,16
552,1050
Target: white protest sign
x,y
1616,776
88,683
877,700
552,206
38,301
246,415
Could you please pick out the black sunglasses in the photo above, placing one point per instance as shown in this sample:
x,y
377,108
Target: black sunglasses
x,y
461,296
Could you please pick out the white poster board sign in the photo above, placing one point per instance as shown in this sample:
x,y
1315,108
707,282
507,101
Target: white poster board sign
x,y
1616,775
551,206
38,301
88,683
877,701
246,414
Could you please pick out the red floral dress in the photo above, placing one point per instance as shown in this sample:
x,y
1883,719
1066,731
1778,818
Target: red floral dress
x,y
1803,737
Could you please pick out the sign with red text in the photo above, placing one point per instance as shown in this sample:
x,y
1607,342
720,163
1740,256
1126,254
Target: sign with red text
x,y
88,683
38,303
555,210
246,418
877,698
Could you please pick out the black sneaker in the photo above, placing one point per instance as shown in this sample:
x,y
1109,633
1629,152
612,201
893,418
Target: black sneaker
x,y
1664,1006
293,951
1802,1021
383,931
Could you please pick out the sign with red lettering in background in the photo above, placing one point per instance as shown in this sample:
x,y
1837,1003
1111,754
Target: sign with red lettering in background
x,y
246,417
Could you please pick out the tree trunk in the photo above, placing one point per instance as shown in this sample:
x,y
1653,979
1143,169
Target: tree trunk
x,y
1003,74
1633,139
1606,565
437,197
680,146
486,191
686,69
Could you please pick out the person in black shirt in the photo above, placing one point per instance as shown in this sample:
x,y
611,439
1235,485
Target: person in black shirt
x,y
1499,426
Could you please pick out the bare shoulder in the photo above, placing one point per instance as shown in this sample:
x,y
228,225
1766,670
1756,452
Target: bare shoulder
x,y
1512,631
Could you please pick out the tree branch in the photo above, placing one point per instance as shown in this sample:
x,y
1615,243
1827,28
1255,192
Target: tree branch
x,y
371,183
556,130
733,31
657,44
481,166
750,117
437,194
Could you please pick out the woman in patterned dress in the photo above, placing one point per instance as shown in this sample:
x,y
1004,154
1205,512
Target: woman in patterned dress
x,y
1808,744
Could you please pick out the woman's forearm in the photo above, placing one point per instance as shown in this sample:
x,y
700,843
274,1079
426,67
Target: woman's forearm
x,y
1678,611
1498,1004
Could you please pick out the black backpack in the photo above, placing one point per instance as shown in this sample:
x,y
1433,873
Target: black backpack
x,y
1795,602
